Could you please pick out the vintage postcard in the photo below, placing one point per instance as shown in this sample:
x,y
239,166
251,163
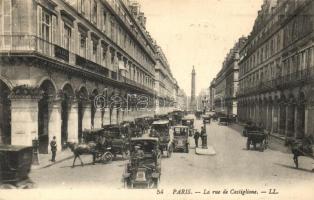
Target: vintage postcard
x,y
157,99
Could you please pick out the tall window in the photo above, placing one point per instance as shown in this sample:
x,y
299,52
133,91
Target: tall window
x,y
83,7
67,37
104,21
94,12
83,45
45,26
94,51
112,30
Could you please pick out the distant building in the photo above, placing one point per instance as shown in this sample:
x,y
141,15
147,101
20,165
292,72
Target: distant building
x,y
212,95
226,82
166,86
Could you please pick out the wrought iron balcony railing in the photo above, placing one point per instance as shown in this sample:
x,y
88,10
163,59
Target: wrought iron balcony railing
x,y
28,44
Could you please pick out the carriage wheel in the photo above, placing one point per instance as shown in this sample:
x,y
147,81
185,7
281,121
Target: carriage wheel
x,y
261,147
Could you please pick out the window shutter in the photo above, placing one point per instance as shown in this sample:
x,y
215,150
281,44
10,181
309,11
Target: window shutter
x,y
54,32
39,32
39,20
61,33
72,46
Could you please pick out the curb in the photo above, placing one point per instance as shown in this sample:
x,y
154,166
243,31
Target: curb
x,y
210,151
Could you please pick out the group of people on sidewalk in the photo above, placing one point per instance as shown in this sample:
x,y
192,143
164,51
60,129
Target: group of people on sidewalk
x,y
201,135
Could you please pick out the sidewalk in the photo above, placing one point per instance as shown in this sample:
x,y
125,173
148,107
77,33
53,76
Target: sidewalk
x,y
210,151
44,159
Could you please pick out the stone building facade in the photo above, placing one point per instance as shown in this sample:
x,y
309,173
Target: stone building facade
x,y
226,82
59,56
276,69
166,86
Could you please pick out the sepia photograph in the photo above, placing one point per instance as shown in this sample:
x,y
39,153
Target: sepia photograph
x,y
157,99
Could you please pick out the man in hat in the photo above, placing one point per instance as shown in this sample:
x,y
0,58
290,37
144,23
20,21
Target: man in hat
x,y
53,146
196,137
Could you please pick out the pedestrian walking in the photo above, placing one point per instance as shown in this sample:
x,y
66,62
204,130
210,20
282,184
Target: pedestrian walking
x,y
196,137
53,146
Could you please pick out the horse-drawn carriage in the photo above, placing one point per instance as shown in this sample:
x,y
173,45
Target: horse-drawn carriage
x,y
104,143
255,137
15,165
224,121
144,167
160,130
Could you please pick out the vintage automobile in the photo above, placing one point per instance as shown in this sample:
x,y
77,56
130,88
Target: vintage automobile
x,y
198,114
15,165
144,167
181,138
206,118
160,130
189,121
224,121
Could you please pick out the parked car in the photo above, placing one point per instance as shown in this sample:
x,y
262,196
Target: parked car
x,y
181,138
15,165
189,121
144,167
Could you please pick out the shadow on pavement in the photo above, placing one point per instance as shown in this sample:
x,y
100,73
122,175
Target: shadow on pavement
x,y
59,161
292,167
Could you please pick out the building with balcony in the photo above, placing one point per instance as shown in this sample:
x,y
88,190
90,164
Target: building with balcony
x,y
212,95
226,82
166,86
59,56
276,69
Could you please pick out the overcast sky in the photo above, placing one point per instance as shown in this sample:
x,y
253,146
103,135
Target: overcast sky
x,y
199,33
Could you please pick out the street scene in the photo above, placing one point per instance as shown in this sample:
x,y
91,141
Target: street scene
x,y
229,163
177,99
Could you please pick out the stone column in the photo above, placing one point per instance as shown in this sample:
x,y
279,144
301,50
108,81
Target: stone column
x,y
73,121
87,115
24,119
106,118
54,126
97,118
296,121
306,120
113,117
287,121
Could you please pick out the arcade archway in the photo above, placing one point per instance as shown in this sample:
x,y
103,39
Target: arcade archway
x,y
43,115
67,94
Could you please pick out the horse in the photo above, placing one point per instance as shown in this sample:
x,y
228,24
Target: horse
x,y
301,148
80,149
